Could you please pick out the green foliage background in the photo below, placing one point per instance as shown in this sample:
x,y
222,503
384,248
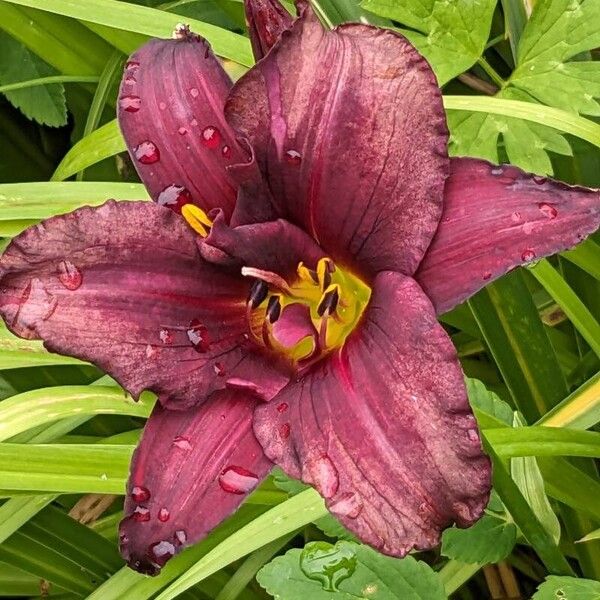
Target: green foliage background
x,y
521,81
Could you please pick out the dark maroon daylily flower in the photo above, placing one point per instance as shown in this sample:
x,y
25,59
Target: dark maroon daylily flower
x,y
290,315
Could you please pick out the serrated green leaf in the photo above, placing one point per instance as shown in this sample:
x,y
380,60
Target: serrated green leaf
x,y
451,34
488,407
490,540
557,31
528,477
567,588
45,103
351,571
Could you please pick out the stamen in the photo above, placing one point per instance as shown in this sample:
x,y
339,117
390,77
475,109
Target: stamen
x,y
273,308
329,301
197,219
307,274
272,278
325,268
258,293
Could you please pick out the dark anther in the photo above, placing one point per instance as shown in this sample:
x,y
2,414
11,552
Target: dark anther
x,y
329,302
258,293
326,279
273,309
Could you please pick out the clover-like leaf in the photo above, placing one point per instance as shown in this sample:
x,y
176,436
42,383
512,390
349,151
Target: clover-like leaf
x,y
43,103
491,539
451,34
567,588
351,571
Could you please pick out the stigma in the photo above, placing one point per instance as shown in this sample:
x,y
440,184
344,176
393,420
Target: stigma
x,y
310,315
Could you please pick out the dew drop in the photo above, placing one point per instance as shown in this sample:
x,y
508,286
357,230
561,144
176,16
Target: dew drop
x,y
226,152
528,255
539,179
141,514
515,217
237,480
211,137
284,431
140,494
324,475
150,351
181,537
147,153
292,157
327,564
349,505
182,131
166,337
182,442
219,369
487,275
162,106
497,171
197,333
547,210
174,197
194,123
194,92
163,515
130,104
69,275
281,408
528,228
161,552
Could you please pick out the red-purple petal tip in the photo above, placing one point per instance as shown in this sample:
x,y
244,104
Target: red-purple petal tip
x,y
267,20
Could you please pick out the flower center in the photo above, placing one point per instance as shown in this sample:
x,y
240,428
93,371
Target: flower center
x,y
306,319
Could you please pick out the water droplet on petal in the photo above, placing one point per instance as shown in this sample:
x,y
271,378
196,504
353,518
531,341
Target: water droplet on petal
x,y
547,210
181,536
163,515
141,514
197,333
284,431
182,442
161,552
130,103
539,179
150,351
162,106
516,217
292,157
327,564
237,480
166,337
528,255
194,123
140,494
182,131
281,408
147,153
69,275
194,92
349,505
174,197
211,137
497,171
226,152
219,369
487,275
324,475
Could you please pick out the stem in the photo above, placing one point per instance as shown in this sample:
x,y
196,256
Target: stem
x,y
496,40
477,84
48,80
485,65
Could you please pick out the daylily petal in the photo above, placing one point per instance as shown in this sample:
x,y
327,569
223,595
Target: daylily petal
x,y
497,218
349,130
191,470
171,115
267,20
383,428
276,246
124,286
